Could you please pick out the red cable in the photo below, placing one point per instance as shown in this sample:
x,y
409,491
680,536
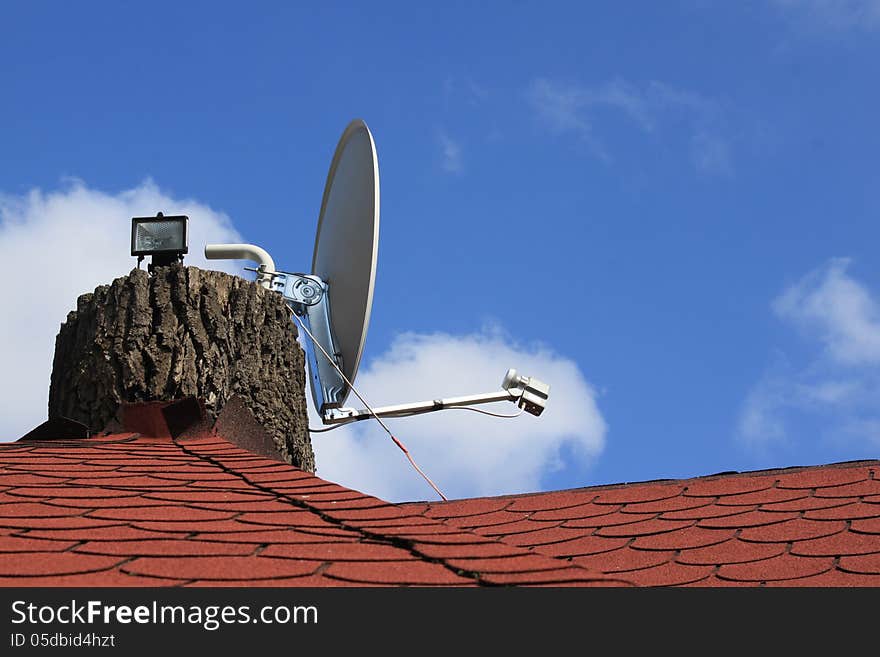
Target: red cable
x,y
369,408
416,466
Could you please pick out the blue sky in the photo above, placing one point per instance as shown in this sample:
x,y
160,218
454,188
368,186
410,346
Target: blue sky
x,y
673,206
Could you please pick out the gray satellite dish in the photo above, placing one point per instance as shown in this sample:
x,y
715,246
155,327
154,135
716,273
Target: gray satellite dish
x,y
347,242
333,303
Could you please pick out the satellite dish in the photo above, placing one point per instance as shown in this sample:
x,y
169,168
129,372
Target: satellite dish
x,y
332,304
347,243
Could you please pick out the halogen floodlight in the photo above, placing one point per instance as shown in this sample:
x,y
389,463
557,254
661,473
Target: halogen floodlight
x,y
163,238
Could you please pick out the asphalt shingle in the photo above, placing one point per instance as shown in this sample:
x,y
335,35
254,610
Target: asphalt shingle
x,y
132,510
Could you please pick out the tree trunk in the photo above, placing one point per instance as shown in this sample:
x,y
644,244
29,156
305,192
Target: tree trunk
x,y
183,332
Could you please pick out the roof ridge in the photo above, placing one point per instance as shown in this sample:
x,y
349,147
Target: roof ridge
x,y
408,542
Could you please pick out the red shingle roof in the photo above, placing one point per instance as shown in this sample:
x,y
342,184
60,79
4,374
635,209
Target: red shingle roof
x,y
816,526
130,510
126,510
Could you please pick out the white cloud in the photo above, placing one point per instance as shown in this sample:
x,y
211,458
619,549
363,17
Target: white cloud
x,y
839,309
465,453
450,152
563,108
837,389
574,108
57,245
760,422
834,15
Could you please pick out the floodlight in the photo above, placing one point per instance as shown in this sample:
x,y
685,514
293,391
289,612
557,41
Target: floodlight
x,y
163,238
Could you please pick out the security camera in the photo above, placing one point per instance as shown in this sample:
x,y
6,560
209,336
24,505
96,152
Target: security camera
x,y
534,393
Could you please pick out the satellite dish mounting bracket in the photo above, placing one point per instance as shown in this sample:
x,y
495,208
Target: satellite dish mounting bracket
x,y
308,297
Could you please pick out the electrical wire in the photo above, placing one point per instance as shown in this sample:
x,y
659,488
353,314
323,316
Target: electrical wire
x,y
369,408
331,428
506,416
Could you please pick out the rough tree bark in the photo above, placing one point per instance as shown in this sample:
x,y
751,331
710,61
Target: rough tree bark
x,y
183,332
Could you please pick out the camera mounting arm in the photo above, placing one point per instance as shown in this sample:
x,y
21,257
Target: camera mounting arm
x,y
528,393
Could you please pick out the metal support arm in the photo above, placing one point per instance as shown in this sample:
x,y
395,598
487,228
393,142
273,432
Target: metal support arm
x,y
244,252
337,415
528,393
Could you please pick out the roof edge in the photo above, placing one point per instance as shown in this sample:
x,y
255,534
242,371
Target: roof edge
x,y
733,474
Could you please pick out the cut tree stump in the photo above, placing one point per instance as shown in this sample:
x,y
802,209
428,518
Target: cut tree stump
x,y
179,333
